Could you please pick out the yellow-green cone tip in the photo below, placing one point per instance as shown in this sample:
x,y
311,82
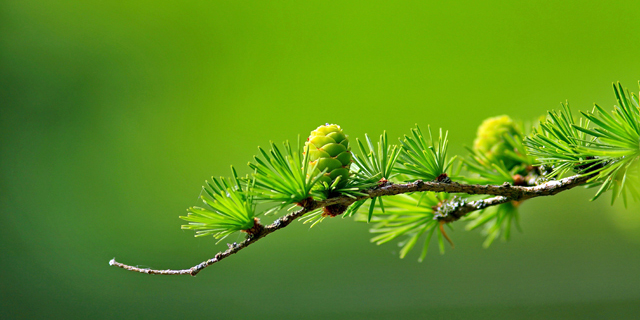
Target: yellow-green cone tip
x,y
490,142
329,149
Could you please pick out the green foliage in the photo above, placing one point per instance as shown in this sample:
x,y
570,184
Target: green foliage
x,y
617,144
284,177
410,216
377,162
603,146
493,170
496,220
498,156
353,188
374,164
557,140
485,170
314,217
424,159
229,208
609,152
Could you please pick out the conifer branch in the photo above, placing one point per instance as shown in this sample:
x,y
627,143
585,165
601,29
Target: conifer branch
x,y
503,193
504,167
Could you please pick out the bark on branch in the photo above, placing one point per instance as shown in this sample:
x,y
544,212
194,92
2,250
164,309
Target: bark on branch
x,y
503,193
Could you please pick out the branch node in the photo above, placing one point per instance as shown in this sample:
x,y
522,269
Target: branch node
x,y
255,230
334,210
307,203
519,180
383,182
443,178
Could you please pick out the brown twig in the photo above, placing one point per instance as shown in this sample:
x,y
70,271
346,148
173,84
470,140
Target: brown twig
x,y
504,193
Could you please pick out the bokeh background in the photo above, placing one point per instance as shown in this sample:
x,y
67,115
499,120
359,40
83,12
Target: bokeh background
x,y
113,113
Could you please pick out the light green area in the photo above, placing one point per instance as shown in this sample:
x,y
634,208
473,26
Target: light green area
x,y
113,114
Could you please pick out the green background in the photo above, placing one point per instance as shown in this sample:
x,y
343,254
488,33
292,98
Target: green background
x,y
113,113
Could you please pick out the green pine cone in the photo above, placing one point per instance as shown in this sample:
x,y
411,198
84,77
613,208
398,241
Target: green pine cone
x,y
490,142
329,149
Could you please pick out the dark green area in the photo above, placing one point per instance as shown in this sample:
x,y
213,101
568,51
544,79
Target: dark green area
x,y
113,114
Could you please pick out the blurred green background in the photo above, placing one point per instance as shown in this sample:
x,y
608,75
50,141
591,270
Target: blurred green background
x,y
113,113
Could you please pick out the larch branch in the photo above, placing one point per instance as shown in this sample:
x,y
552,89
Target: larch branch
x,y
503,193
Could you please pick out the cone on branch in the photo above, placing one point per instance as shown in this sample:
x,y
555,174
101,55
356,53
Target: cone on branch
x,y
329,150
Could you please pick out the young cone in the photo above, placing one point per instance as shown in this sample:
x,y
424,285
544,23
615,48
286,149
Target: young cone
x,y
329,150
490,140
